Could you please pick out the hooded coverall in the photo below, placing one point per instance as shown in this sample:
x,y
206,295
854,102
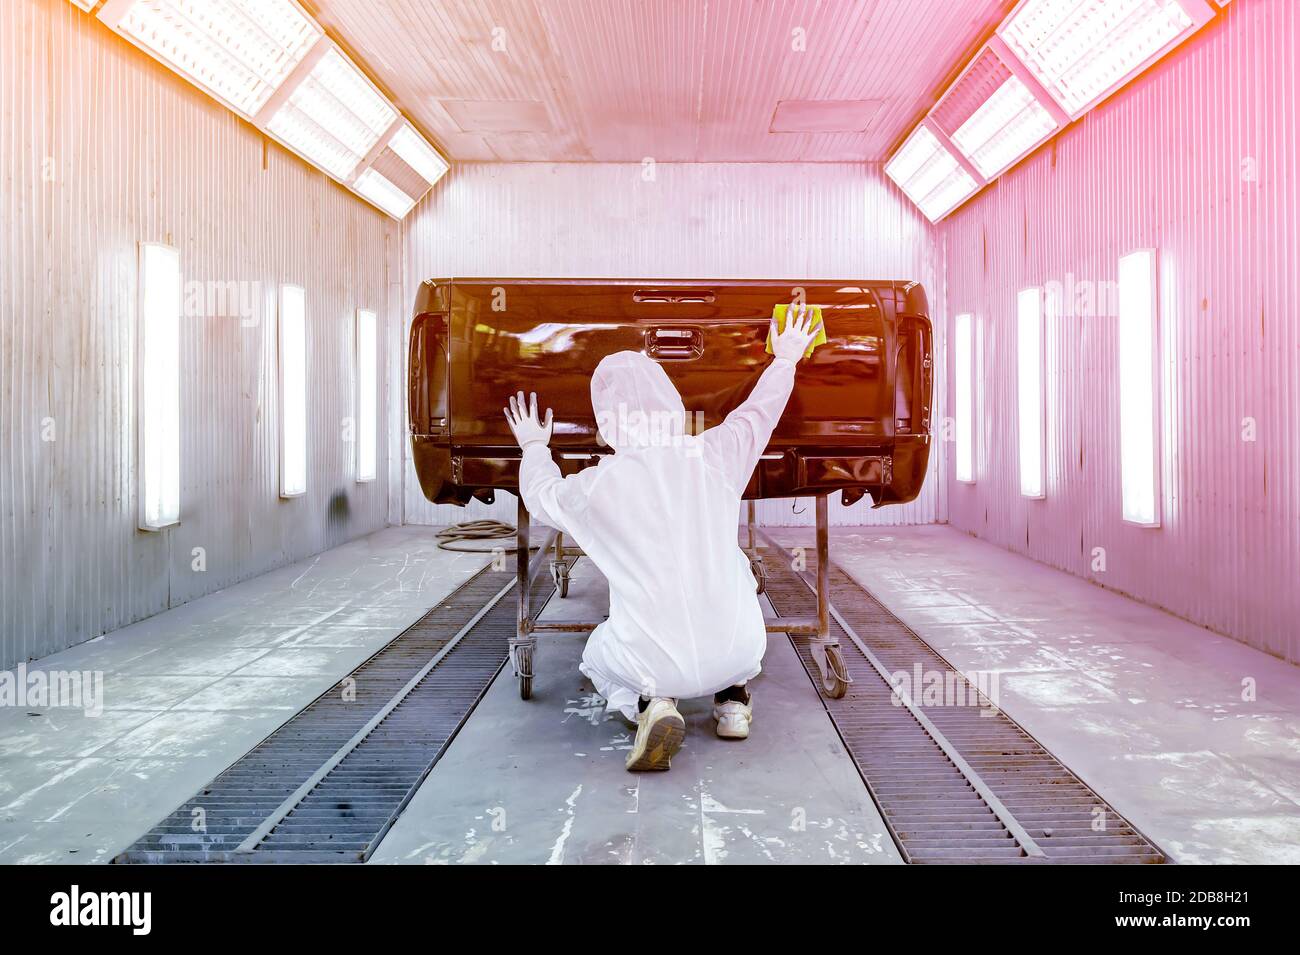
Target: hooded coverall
x,y
659,517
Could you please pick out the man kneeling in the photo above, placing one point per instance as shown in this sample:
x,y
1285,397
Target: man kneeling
x,y
659,518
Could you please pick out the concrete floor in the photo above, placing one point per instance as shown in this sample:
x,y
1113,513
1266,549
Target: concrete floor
x,y
1146,708
542,781
189,691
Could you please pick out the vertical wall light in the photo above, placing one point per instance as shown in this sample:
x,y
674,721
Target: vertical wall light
x,y
1138,384
158,423
367,393
1029,359
293,390
963,342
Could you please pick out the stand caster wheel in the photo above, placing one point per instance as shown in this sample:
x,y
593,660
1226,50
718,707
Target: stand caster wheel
x,y
560,574
522,658
834,677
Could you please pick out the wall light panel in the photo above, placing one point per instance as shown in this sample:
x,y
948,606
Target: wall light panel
x,y
367,358
1029,382
1139,388
293,390
158,420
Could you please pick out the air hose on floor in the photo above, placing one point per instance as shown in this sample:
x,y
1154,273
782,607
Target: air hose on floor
x,y
482,530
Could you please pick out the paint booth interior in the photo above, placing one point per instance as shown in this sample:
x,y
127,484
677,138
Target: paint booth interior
x,y
271,269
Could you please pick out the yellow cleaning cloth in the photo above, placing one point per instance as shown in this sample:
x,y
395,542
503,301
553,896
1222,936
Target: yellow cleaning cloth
x,y
778,313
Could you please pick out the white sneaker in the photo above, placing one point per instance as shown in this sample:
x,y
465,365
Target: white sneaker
x,y
734,718
660,730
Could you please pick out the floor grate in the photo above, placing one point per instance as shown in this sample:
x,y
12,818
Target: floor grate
x,y
954,783
328,784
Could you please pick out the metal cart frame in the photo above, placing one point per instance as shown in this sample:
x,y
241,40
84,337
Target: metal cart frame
x,y
822,644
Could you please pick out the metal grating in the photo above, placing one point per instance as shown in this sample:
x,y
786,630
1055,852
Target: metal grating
x,y
953,783
328,784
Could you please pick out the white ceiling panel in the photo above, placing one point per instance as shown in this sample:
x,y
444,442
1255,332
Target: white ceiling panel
x,y
676,80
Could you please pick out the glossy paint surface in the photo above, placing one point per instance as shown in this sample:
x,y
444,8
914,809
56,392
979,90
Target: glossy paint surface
x,y
675,221
475,341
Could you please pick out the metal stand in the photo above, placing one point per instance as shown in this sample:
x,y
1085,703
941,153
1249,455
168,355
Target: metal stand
x,y
524,643
824,647
822,644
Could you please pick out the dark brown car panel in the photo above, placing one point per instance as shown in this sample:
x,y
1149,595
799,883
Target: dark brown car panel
x,y
858,420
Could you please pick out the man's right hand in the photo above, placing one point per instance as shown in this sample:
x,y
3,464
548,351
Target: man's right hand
x,y
797,335
524,421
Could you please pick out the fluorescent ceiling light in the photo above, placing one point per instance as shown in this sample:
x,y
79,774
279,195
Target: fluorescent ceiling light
x,y
293,390
367,393
418,154
962,379
1029,361
1139,457
1008,125
334,117
378,190
239,51
271,63
1081,50
930,174
158,382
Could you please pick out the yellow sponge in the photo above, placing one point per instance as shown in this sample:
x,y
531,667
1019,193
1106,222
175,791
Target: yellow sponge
x,y
778,313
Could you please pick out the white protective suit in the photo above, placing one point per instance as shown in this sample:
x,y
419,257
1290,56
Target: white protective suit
x,y
660,518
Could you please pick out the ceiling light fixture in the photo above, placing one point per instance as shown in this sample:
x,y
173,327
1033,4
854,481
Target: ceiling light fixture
x,y
930,174
238,51
334,116
1084,50
381,192
418,154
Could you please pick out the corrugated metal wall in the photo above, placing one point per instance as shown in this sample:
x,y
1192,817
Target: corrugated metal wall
x,y
695,220
1198,159
101,148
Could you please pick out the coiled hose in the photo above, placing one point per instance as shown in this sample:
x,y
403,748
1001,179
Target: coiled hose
x,y
482,530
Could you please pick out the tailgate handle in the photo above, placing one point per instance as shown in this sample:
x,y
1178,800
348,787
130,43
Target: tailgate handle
x,y
674,343
674,296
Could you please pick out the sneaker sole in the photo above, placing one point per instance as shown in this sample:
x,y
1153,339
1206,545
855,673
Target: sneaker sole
x,y
662,743
727,734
